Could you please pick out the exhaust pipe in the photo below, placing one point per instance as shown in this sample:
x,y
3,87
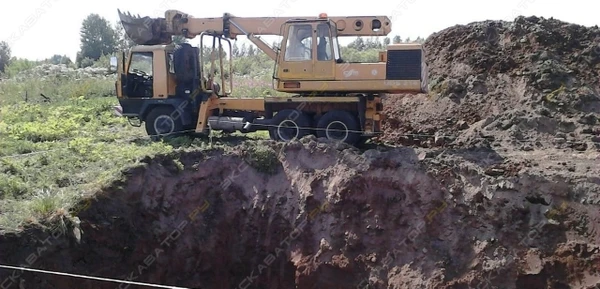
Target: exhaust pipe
x,y
230,123
227,123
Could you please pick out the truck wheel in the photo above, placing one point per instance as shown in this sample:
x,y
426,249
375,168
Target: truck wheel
x,y
340,126
163,122
290,124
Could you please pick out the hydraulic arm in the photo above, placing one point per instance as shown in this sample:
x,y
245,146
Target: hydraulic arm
x,y
152,31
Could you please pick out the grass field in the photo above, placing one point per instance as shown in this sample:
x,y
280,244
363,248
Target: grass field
x,y
54,152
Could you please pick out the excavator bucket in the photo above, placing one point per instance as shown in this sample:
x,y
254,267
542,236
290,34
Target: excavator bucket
x,y
144,31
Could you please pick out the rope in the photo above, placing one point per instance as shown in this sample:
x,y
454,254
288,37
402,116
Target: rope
x,y
91,277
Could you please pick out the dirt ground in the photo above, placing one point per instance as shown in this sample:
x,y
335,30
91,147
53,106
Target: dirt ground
x,y
492,181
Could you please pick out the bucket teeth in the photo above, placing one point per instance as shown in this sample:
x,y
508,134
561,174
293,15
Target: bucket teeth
x,y
140,30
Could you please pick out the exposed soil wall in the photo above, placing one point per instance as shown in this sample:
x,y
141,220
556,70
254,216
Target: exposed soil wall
x,y
332,218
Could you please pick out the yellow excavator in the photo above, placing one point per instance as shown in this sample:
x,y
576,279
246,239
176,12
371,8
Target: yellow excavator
x,y
182,88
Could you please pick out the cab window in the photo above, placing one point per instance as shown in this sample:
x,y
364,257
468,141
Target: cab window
x,y
170,63
299,43
323,43
141,63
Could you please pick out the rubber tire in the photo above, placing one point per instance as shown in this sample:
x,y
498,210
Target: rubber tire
x,y
301,120
350,121
153,117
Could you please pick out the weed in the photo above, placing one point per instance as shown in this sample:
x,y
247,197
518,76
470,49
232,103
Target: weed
x,y
179,165
65,147
551,97
262,158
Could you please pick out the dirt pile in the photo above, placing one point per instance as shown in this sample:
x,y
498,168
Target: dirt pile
x,y
318,215
529,84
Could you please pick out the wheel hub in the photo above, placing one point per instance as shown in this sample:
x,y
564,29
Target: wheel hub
x,y
337,130
164,124
288,130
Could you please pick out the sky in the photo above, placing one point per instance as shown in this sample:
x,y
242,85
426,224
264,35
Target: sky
x,y
38,29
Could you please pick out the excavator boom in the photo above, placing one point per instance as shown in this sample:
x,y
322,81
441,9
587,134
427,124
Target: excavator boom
x,y
152,31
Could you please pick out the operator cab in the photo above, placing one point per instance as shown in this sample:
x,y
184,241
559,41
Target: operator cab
x,y
139,75
177,64
141,67
310,50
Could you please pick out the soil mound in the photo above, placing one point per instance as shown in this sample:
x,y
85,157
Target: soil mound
x,y
529,84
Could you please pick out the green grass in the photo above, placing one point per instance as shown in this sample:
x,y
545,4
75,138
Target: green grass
x,y
54,153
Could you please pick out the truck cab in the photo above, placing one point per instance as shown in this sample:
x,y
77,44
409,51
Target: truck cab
x,y
150,76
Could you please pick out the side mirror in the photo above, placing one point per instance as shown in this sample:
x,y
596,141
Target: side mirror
x,y
113,64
